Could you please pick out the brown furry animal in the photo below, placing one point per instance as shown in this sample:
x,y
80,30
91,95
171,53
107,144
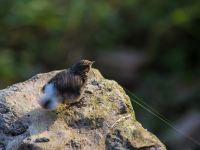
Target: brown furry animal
x,y
66,86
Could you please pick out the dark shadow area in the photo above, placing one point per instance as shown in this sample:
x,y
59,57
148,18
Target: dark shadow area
x,y
79,121
12,126
26,146
40,118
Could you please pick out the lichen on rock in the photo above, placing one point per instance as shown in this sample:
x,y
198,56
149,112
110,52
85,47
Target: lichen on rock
x,y
104,119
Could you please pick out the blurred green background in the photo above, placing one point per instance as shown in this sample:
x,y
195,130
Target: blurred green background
x,y
150,47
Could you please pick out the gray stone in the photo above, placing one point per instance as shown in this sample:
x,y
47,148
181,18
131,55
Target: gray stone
x,y
104,119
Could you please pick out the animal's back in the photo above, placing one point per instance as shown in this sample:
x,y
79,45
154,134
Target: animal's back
x,y
69,85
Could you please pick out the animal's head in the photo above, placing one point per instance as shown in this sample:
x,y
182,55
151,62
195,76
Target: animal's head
x,y
83,66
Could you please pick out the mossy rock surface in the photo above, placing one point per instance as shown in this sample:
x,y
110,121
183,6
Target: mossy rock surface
x,y
104,119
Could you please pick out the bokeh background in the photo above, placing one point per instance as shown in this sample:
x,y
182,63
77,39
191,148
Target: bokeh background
x,y
149,47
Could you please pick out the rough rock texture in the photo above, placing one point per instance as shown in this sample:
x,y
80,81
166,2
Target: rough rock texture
x,y
104,119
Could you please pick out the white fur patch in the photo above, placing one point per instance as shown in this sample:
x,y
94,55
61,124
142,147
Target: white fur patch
x,y
49,97
50,89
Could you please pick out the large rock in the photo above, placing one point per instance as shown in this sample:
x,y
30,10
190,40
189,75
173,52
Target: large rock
x,y
104,119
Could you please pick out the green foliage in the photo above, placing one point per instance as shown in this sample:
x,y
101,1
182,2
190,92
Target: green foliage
x,y
36,34
6,59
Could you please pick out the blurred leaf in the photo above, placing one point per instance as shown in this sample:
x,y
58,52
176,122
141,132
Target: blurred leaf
x,y
7,65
